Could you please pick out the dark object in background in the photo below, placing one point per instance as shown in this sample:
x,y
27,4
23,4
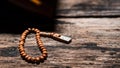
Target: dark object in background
x,y
18,15
46,8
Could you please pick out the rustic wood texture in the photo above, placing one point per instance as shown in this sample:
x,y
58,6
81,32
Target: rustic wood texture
x,y
95,41
95,44
76,8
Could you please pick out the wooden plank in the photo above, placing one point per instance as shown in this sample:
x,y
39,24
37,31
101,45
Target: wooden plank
x,y
76,8
95,44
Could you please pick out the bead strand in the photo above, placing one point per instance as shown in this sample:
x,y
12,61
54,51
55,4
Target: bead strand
x,y
39,42
40,45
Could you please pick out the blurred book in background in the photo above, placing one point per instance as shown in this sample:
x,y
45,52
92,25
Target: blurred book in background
x,y
18,15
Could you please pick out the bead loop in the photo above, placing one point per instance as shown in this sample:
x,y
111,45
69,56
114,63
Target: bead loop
x,y
43,50
40,45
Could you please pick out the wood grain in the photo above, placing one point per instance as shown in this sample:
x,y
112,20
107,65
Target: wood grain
x,y
95,44
78,8
95,41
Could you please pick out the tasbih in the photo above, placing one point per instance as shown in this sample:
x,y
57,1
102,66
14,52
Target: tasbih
x,y
39,42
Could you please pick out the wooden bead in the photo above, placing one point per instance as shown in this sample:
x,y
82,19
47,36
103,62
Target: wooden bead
x,y
37,36
29,58
26,31
44,55
44,49
44,52
22,37
26,57
37,59
40,44
51,34
39,41
29,29
41,57
21,49
37,33
21,42
24,34
24,54
36,30
33,29
20,46
32,59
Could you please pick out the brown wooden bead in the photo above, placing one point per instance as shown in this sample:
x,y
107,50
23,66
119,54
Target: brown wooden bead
x,y
24,34
21,42
29,58
26,31
33,29
37,34
33,59
21,50
29,29
44,55
20,46
44,49
22,37
51,34
44,52
26,57
37,37
41,57
40,44
38,31
40,41
24,54
37,59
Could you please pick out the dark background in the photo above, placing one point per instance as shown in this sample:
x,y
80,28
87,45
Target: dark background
x,y
15,18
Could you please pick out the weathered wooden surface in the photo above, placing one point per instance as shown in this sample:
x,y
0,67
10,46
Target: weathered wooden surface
x,y
95,44
76,8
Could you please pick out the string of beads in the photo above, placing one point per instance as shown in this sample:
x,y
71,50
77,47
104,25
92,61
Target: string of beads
x,y
40,45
